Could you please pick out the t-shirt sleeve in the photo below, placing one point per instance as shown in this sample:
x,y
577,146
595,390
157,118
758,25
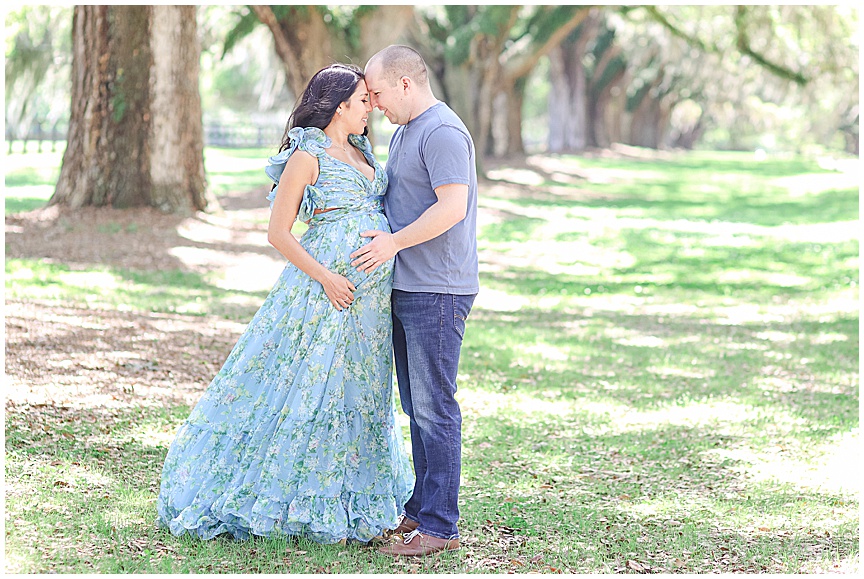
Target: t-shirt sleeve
x,y
447,154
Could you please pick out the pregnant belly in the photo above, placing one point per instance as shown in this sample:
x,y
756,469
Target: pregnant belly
x,y
331,244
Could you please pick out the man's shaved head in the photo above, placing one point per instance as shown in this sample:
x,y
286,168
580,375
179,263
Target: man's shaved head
x,y
398,60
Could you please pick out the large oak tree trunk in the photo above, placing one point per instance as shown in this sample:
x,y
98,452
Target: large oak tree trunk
x,y
567,100
569,105
135,135
507,131
649,120
609,80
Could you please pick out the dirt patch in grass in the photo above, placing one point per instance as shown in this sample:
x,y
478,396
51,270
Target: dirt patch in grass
x,y
85,357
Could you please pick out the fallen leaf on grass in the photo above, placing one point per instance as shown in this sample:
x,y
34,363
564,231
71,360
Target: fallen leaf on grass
x,y
636,566
537,558
517,562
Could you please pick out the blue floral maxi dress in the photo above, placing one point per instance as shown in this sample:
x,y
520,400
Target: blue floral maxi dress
x,y
296,434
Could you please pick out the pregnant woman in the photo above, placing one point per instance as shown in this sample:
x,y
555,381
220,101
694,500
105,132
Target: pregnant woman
x,y
296,434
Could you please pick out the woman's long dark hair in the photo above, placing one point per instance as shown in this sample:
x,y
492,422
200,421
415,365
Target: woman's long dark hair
x,y
327,89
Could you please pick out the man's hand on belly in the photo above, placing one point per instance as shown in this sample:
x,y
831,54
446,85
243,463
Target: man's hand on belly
x,y
379,250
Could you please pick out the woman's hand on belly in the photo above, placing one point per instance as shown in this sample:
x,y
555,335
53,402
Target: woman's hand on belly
x,y
339,290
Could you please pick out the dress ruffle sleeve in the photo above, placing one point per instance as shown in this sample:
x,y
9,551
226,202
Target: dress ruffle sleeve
x,y
361,143
309,139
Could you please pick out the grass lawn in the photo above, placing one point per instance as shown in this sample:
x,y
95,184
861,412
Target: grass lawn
x,y
659,375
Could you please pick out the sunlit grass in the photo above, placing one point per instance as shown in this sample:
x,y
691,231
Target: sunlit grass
x,y
127,290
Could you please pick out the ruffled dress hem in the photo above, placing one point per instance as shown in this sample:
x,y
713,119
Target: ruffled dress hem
x,y
304,516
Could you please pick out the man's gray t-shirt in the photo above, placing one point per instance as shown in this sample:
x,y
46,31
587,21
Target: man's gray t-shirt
x,y
432,150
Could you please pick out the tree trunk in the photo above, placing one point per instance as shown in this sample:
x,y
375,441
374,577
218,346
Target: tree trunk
x,y
607,81
567,100
649,121
568,95
487,71
466,90
386,25
135,135
614,117
499,131
512,133
177,167
687,138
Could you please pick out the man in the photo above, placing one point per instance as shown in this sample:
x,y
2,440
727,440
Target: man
x,y
431,204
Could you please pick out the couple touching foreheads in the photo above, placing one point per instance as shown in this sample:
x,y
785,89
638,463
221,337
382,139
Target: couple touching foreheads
x,y
297,432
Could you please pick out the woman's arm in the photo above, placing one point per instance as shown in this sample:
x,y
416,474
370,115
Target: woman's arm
x,y
301,170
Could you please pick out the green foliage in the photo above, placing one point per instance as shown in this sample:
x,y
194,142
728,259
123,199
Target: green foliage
x,y
547,19
30,42
461,28
246,22
343,21
803,59
292,11
493,19
603,42
37,65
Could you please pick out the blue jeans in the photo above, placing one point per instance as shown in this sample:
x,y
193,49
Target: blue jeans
x,y
427,339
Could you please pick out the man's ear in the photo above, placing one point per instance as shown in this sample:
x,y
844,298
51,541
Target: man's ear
x,y
406,82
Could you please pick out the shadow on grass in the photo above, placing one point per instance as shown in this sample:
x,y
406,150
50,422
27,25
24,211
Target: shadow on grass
x,y
664,497
824,207
650,362
748,273
727,188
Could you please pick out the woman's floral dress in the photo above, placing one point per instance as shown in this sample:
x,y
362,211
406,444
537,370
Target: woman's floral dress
x,y
296,434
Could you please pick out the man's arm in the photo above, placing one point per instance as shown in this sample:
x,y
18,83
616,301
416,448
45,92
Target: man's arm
x,y
450,208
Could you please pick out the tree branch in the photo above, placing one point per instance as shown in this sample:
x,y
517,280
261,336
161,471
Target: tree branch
x,y
526,64
688,38
283,47
742,43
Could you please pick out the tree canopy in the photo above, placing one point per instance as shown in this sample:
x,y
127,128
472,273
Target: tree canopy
x,y
656,76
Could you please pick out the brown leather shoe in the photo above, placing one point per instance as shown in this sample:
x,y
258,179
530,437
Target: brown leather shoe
x,y
406,525
416,544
